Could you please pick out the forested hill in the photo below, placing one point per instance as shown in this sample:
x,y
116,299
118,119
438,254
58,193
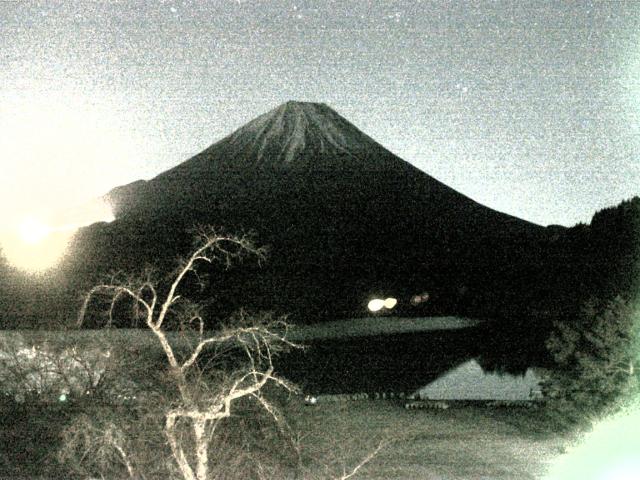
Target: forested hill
x,y
598,260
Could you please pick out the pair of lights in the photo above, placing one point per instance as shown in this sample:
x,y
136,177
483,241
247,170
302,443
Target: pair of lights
x,y
378,304
420,298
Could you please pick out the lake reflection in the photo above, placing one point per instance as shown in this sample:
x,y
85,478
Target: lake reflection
x,y
406,362
470,382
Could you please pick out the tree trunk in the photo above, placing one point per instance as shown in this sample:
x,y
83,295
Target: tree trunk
x,y
177,451
202,454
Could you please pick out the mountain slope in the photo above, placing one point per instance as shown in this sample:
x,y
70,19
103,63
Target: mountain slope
x,y
297,136
345,219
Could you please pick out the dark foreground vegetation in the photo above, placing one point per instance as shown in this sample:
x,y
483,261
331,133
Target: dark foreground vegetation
x,y
460,443
232,413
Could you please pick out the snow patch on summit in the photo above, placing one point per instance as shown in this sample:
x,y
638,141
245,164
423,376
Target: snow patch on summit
x,y
297,129
291,118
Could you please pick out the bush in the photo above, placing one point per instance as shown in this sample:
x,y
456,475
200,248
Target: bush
x,y
45,367
595,361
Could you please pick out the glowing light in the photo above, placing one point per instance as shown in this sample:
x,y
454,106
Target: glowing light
x,y
33,231
35,246
72,218
420,298
609,452
60,149
376,305
389,303
63,149
34,256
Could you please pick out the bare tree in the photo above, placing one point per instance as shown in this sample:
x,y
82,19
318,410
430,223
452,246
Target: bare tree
x,y
200,408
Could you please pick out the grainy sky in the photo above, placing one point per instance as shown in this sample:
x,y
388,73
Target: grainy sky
x,y
532,108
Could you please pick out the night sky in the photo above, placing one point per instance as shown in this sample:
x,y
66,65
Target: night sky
x,y
531,108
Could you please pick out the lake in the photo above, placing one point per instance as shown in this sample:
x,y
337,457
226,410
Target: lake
x,y
443,357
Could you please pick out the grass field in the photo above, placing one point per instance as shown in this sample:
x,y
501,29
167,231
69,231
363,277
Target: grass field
x,y
462,443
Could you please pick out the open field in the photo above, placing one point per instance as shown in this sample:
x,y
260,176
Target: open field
x,y
461,443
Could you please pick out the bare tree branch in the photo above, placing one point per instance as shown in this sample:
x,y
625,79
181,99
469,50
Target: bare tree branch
x,y
363,462
258,338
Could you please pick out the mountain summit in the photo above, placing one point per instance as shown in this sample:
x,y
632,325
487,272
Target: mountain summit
x,y
296,136
296,132
343,217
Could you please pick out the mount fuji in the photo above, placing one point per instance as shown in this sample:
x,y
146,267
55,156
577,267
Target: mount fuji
x,y
344,220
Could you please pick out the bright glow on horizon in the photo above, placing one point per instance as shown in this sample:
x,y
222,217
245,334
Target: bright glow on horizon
x,y
62,148
36,246
33,231
35,256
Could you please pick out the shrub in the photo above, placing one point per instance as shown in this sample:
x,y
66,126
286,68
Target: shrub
x,y
595,361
